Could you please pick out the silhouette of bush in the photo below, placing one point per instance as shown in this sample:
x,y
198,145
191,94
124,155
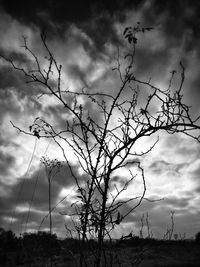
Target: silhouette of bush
x,y
41,243
8,240
197,237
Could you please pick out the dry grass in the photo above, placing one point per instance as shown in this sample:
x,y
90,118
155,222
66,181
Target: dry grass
x,y
173,254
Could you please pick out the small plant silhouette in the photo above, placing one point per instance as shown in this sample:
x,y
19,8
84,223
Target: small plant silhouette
x,y
52,167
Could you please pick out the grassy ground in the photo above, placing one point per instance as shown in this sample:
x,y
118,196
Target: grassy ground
x,y
163,255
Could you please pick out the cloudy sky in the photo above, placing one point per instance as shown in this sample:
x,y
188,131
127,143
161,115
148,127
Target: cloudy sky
x,y
84,36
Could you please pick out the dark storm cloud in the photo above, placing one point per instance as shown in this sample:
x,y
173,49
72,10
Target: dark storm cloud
x,y
5,143
56,112
177,19
102,31
62,179
6,162
193,93
34,221
146,206
159,213
10,78
147,67
11,99
5,208
58,116
16,96
76,72
175,38
18,57
94,17
20,195
26,186
63,11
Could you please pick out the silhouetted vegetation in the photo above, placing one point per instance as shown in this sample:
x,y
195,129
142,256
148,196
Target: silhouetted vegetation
x,y
35,249
28,247
197,237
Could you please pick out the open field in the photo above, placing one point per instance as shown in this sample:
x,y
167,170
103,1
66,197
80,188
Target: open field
x,y
32,252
